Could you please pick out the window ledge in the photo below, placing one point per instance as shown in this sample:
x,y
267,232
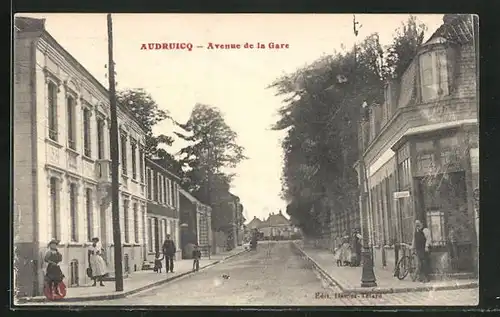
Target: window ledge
x,y
88,159
72,151
54,143
75,244
135,180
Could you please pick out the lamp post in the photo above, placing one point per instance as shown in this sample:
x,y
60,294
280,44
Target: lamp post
x,y
368,275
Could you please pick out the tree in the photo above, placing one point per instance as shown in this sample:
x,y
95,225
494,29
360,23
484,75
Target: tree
x,y
213,148
404,46
147,112
321,144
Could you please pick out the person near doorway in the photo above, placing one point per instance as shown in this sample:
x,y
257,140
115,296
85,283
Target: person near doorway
x,y
356,248
421,244
345,250
169,253
96,261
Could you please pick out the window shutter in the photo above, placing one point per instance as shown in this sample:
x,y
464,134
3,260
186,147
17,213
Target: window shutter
x,y
452,59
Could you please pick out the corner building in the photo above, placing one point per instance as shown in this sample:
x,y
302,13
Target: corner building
x,y
62,172
420,150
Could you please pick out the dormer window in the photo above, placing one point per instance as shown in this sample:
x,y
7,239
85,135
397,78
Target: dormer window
x,y
434,76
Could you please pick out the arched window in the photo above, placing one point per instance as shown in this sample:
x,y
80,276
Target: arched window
x,y
73,273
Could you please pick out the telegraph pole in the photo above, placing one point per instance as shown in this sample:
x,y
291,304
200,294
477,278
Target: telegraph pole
x,y
113,135
368,275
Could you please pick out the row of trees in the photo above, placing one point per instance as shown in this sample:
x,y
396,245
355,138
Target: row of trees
x,y
203,164
322,108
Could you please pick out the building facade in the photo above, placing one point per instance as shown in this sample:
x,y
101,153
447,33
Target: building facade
x,y
62,163
163,205
275,227
420,154
196,220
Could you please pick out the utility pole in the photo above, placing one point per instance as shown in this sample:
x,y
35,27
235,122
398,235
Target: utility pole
x,y
113,135
368,275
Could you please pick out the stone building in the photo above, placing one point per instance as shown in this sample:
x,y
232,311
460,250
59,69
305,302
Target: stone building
x,y
276,226
162,209
420,154
62,163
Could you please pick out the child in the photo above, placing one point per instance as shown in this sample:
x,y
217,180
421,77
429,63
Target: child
x,y
336,256
158,264
196,258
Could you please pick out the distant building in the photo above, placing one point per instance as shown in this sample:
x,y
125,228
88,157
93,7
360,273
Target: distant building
x,y
276,226
62,164
163,208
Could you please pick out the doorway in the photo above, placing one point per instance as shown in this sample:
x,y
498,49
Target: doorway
x,y
157,235
443,198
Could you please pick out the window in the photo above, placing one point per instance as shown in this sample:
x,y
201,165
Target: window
x,y
165,183
136,223
133,151
141,164
125,220
124,154
70,104
435,223
73,212
404,174
155,184
150,236
90,218
100,138
173,185
450,152
150,185
433,75
425,157
87,144
161,188
52,91
73,273
54,204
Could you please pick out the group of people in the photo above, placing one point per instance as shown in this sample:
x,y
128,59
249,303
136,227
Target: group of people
x,y
169,250
348,249
54,275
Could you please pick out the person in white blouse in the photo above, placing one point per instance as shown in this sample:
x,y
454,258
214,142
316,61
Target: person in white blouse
x,y
421,244
96,261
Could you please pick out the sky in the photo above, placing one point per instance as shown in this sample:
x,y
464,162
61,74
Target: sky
x,y
233,80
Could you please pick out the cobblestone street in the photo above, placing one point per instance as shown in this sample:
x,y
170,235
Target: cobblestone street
x,y
273,275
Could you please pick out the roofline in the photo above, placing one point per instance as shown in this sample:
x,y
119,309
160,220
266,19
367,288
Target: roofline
x,y
47,36
188,195
148,160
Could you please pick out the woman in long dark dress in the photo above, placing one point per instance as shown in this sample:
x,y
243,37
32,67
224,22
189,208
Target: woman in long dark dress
x,y
356,248
54,275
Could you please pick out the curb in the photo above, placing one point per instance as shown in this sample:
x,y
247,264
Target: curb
x,y
378,290
125,293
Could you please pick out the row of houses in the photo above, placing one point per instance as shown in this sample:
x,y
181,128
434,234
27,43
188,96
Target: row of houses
x,y
420,154
62,171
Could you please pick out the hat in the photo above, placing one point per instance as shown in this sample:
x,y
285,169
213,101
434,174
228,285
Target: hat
x,y
53,241
95,239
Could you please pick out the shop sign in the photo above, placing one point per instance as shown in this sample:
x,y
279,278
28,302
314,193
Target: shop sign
x,y
403,194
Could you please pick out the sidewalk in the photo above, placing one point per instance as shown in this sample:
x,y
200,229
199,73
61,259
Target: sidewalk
x,y
348,279
136,282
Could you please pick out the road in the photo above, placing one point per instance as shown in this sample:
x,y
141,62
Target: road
x,y
272,275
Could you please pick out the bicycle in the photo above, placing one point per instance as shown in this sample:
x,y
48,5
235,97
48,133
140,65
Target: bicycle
x,y
407,264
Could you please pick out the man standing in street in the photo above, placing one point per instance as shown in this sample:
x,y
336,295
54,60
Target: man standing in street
x,y
169,253
421,245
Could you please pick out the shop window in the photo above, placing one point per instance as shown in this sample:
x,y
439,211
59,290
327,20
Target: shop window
x,y
73,273
436,225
